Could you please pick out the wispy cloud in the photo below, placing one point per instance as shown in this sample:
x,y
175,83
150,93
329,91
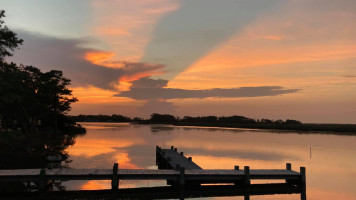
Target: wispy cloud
x,y
157,91
349,76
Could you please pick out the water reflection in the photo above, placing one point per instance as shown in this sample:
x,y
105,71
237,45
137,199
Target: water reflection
x,y
133,146
226,191
33,151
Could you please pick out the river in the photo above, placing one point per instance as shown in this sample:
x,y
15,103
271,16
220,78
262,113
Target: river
x,y
329,159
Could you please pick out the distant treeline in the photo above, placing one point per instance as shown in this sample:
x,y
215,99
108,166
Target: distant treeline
x,y
170,119
224,121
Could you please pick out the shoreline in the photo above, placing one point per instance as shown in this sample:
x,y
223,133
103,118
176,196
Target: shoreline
x,y
332,129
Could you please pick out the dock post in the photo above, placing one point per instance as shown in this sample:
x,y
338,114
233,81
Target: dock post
x,y
289,167
190,159
172,147
303,177
181,176
237,183
181,153
168,166
42,183
247,183
303,194
157,154
247,175
247,195
115,179
175,149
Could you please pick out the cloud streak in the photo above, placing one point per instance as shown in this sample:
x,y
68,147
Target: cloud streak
x,y
173,93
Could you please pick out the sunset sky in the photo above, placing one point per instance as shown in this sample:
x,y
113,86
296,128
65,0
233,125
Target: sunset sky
x,y
274,59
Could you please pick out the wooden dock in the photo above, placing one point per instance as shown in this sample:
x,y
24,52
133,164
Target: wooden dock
x,y
173,166
193,173
172,159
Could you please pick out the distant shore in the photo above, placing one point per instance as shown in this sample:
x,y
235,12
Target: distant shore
x,y
334,129
226,121
339,129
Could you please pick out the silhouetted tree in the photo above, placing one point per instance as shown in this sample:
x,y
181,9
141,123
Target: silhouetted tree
x,y
28,95
55,94
155,117
292,121
8,39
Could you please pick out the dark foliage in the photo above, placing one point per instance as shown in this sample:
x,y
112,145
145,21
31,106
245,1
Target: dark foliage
x,y
32,100
8,39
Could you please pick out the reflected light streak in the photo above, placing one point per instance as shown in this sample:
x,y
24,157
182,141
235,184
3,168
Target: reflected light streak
x,y
93,147
96,185
124,161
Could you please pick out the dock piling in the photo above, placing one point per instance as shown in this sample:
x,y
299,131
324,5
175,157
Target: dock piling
x,y
288,166
237,167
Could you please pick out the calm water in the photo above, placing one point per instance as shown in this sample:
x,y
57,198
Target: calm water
x,y
329,159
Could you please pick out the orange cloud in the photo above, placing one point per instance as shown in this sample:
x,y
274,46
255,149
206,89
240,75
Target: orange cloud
x,y
125,81
91,94
98,57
